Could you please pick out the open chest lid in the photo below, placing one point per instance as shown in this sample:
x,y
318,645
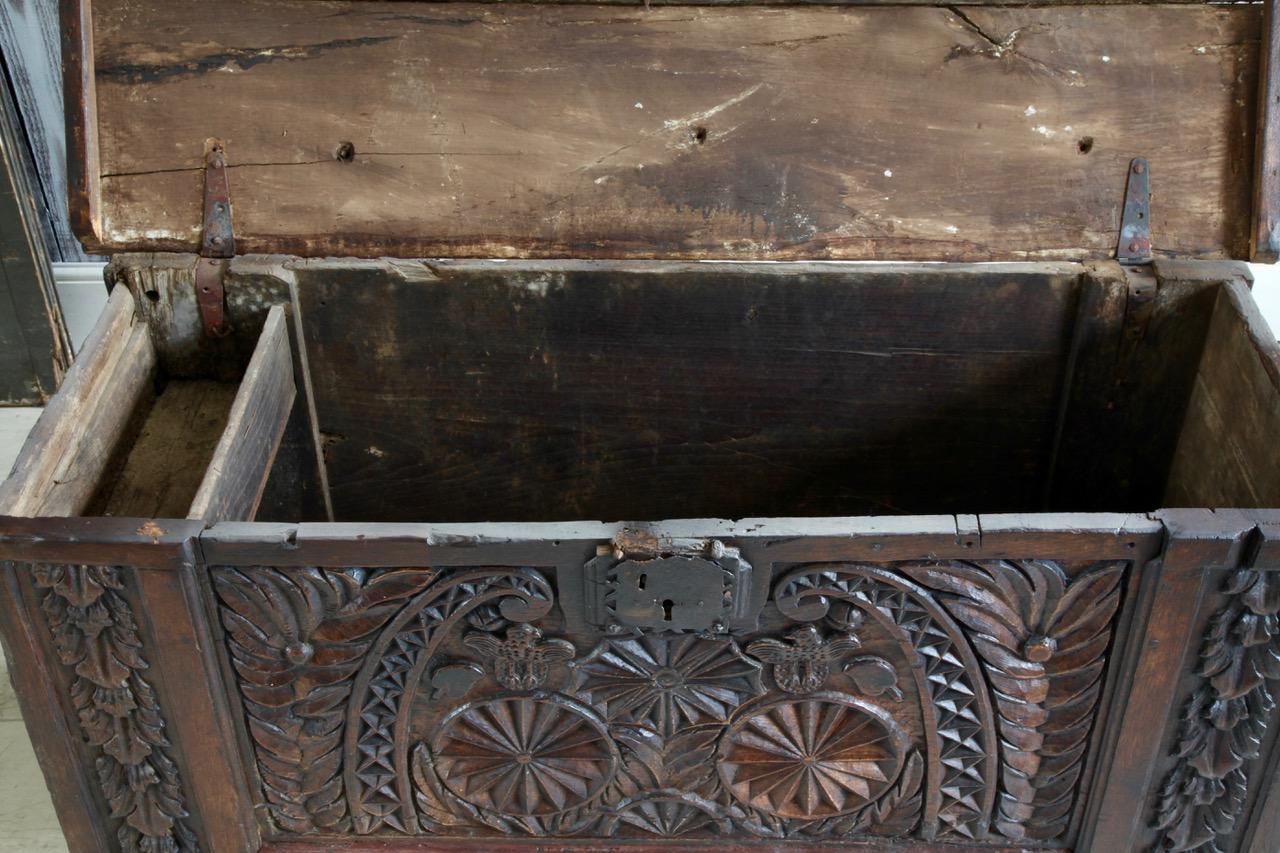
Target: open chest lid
x,y
426,129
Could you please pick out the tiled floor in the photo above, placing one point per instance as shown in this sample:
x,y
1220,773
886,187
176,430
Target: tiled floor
x,y
27,822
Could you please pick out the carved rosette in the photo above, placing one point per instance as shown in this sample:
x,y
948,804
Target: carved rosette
x,y
667,683
1226,718
96,638
422,702
812,758
521,756
1019,631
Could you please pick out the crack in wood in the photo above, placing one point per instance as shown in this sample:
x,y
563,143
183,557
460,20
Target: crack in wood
x,y
1006,49
134,74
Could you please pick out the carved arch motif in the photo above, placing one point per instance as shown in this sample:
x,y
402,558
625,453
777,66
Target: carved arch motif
x,y
425,702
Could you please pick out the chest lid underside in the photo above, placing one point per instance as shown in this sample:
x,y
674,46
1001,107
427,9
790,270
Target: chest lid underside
x,y
849,131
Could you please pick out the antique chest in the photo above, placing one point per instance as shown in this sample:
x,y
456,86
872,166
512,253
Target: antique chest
x,y
527,421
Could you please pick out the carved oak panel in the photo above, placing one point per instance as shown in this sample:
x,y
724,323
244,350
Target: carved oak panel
x,y
942,700
95,635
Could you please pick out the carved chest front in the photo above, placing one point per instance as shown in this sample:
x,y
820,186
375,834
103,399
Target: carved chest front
x,y
404,295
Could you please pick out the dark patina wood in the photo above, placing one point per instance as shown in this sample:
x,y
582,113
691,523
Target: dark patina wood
x,y
913,591
690,135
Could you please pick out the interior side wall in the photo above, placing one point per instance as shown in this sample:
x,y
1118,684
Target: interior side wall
x,y
554,391
1227,454
1139,337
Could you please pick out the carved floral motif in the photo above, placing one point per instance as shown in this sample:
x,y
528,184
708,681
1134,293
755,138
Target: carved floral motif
x,y
523,660
812,758
802,663
1226,719
974,728
667,682
526,755
96,637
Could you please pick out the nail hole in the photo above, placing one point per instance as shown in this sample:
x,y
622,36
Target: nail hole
x,y
643,580
1131,544
699,135
345,152
667,604
153,295
968,544
1085,145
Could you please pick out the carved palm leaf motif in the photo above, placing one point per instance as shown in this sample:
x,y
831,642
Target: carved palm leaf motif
x,y
297,639
667,682
376,775
1043,640
1226,718
959,724
96,637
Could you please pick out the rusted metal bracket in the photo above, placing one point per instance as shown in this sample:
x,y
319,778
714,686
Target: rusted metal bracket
x,y
217,242
1135,222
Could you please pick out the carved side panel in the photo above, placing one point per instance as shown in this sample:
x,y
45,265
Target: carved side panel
x,y
95,635
1226,718
935,700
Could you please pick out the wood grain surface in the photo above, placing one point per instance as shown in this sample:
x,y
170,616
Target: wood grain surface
x,y
558,390
1226,453
680,132
238,470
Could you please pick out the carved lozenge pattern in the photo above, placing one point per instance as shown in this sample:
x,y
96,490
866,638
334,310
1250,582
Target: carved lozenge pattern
x,y
443,703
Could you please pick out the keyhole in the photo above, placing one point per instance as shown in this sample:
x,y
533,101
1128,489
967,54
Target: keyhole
x,y
642,581
667,604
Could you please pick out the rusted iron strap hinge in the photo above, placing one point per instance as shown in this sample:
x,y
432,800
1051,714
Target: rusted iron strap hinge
x,y
217,243
1135,222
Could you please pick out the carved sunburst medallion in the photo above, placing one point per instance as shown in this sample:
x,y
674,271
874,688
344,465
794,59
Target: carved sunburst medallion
x,y
524,756
667,683
812,758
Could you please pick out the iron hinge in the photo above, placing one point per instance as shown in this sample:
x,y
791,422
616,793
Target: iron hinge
x,y
217,242
1134,246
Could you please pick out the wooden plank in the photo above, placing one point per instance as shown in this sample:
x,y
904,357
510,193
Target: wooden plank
x,y
61,464
1266,183
79,102
186,669
1068,536
1226,453
237,474
1176,601
547,391
168,454
525,130
1139,348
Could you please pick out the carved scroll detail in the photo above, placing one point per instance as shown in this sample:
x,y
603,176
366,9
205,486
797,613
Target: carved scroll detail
x,y
96,636
1225,719
962,756
1042,641
376,771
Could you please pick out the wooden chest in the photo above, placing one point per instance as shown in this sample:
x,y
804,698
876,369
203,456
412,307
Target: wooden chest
x,y
300,557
